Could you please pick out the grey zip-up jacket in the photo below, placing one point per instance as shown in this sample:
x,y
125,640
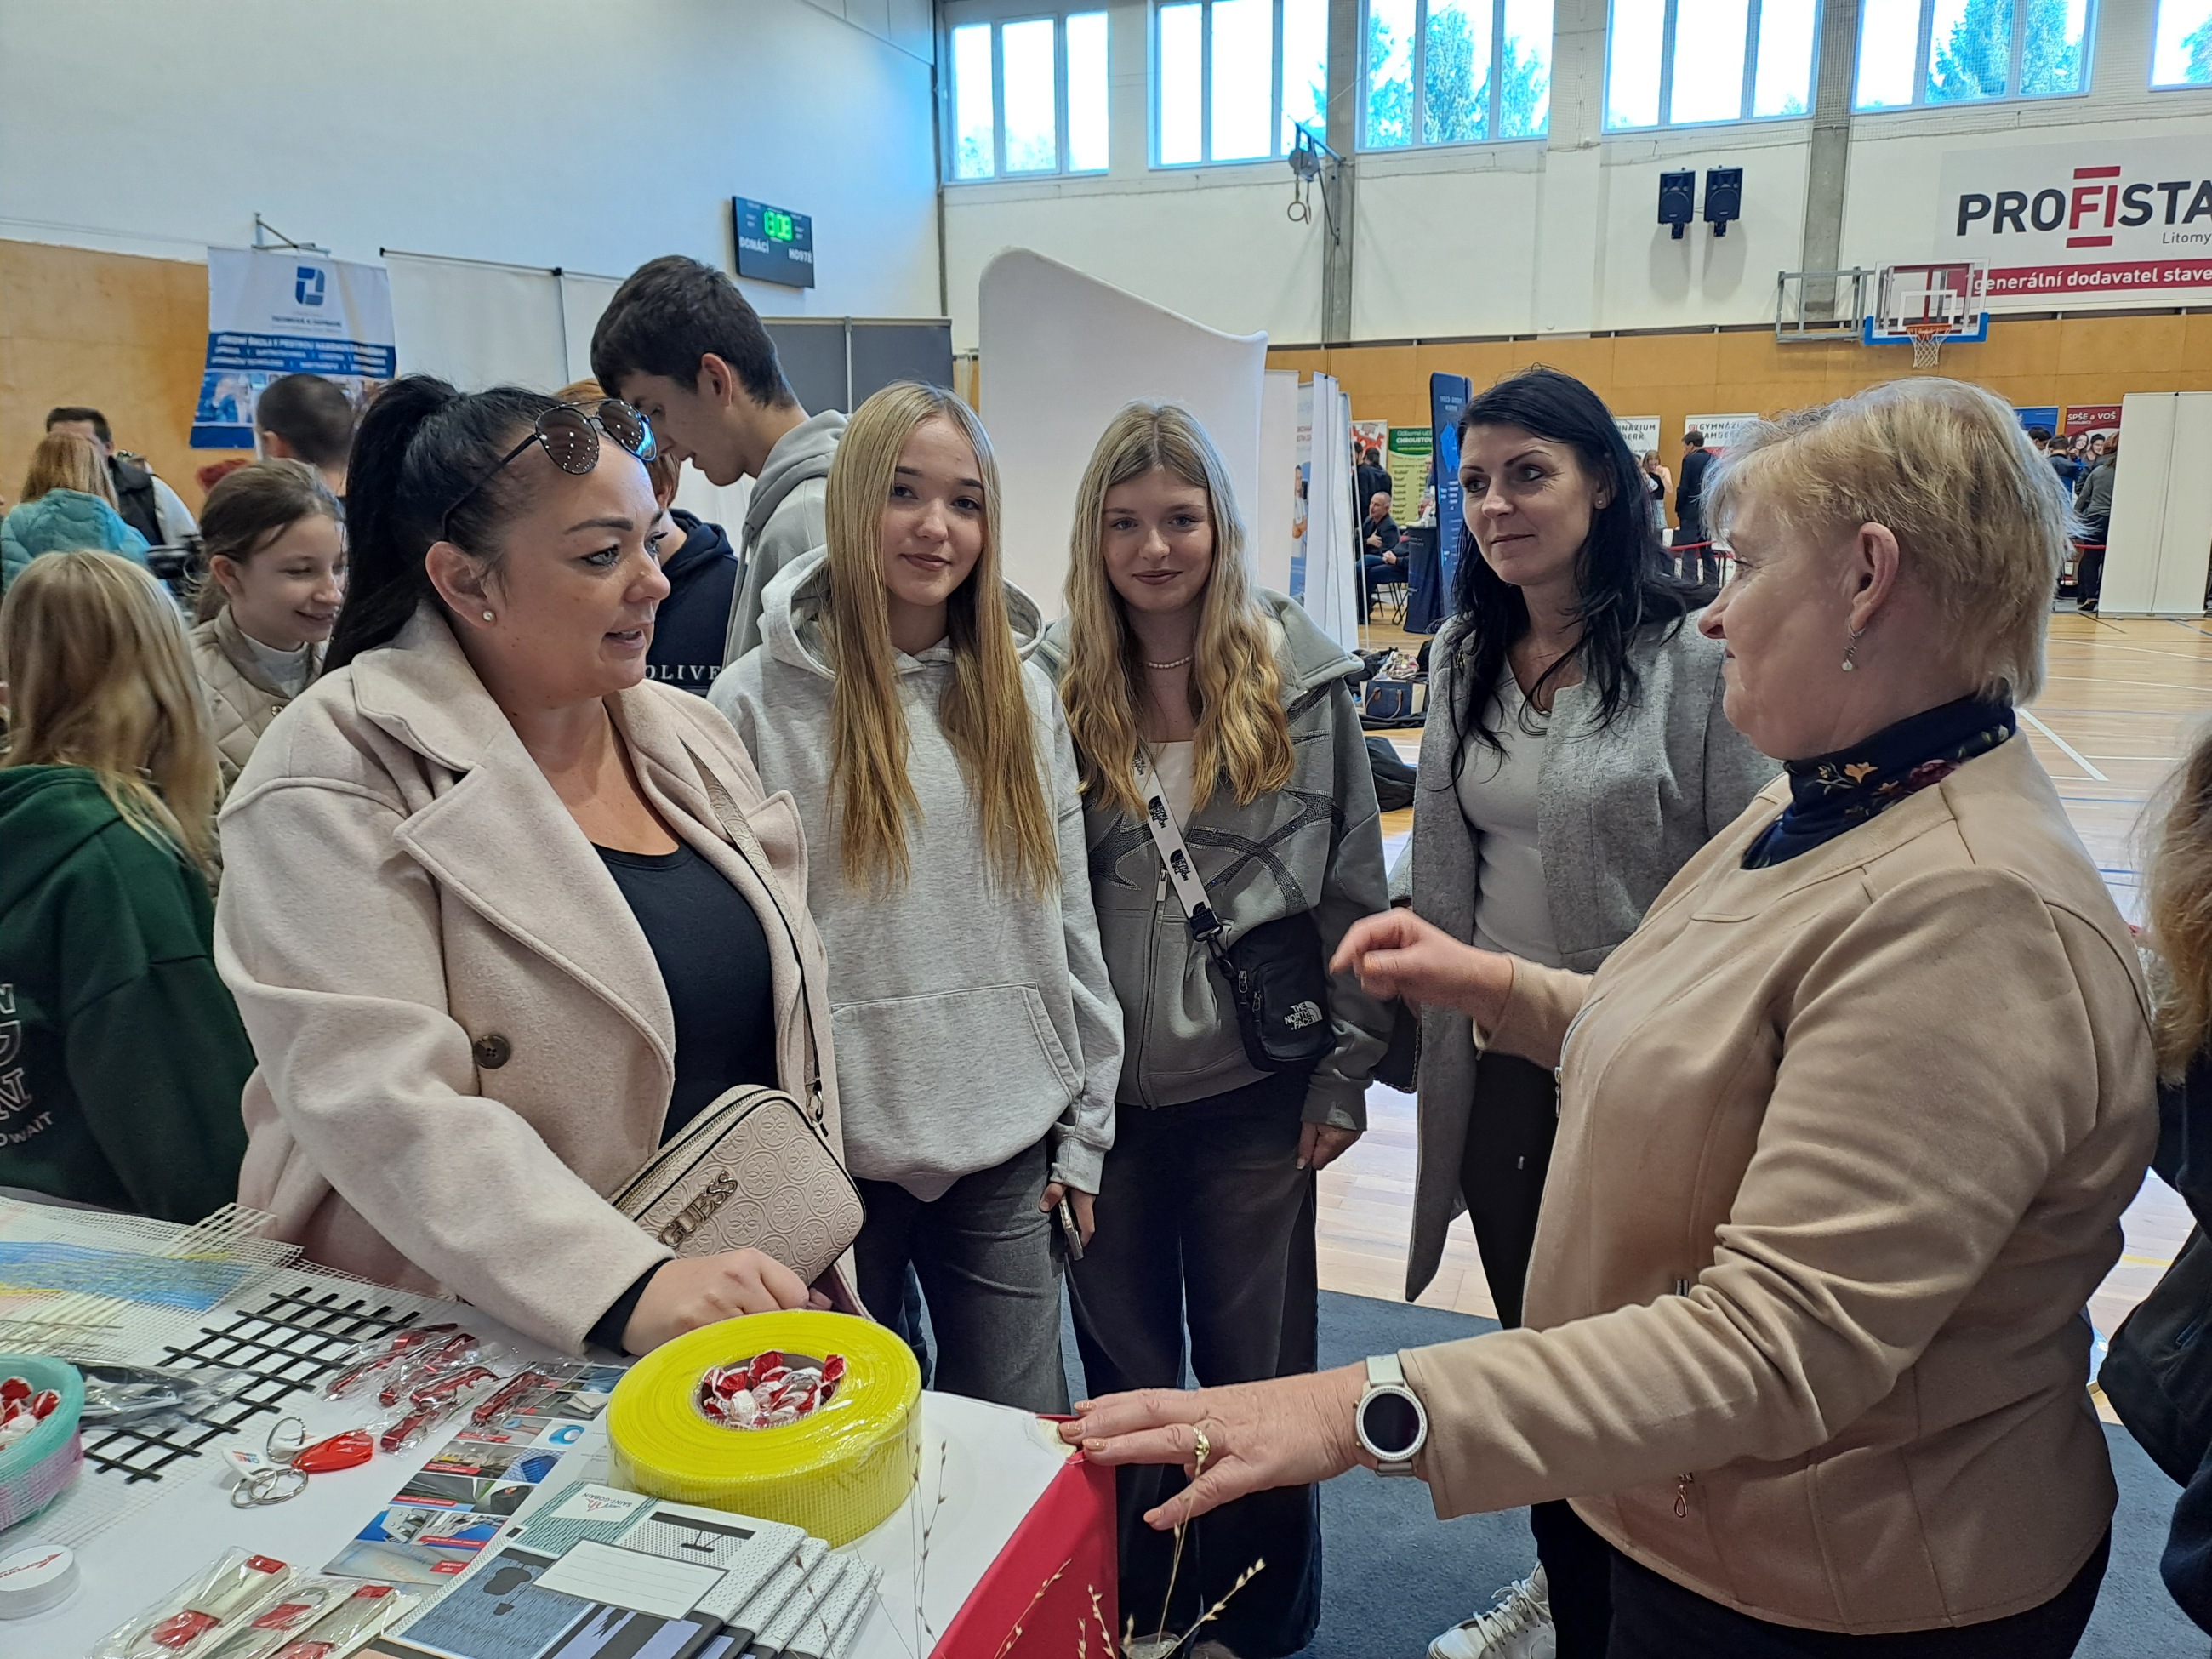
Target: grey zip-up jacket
x,y
969,1022
784,520
1313,845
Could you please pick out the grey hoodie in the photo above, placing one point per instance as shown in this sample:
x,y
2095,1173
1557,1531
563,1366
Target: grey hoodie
x,y
1313,845
969,1021
783,520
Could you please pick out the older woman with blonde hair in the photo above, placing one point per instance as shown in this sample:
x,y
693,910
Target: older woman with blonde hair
x,y
931,768
1846,1126
1208,707
123,1054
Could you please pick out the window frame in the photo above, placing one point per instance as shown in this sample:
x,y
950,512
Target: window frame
x,y
1745,99
997,20
1925,43
1416,68
2150,67
1276,150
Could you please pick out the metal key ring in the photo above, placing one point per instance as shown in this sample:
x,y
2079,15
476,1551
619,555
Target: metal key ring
x,y
283,1446
267,1487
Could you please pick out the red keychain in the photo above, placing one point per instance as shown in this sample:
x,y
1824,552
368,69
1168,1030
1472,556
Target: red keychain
x,y
349,1450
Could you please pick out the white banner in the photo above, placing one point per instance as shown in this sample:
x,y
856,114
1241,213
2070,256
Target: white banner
x,y
2099,216
276,312
1641,433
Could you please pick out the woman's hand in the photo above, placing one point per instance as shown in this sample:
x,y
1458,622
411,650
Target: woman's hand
x,y
1290,1432
1396,954
1085,1205
1319,1144
685,1295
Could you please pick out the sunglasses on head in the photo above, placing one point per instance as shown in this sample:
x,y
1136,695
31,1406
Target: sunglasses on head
x,y
570,437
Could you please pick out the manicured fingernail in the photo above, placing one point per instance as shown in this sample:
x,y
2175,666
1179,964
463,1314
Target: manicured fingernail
x,y
1301,1163
1094,1445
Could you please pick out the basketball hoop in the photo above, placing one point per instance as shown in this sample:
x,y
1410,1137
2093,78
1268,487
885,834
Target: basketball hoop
x,y
1927,334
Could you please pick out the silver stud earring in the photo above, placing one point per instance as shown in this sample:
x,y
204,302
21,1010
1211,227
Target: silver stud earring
x,y
487,617
1851,649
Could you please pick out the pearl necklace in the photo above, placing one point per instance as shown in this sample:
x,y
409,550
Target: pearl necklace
x,y
1180,662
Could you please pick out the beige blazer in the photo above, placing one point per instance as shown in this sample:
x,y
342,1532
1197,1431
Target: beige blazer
x,y
464,1042
1843,1148
241,697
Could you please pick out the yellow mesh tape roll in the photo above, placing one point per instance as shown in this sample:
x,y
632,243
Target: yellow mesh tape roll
x,y
839,1473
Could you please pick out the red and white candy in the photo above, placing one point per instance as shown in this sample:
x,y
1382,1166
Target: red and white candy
x,y
22,1408
767,1391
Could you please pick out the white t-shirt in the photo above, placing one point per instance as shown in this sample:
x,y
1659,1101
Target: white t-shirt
x,y
1497,793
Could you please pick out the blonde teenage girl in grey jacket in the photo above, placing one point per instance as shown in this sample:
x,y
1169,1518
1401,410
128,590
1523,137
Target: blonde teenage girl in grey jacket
x,y
977,1029
276,575
1238,705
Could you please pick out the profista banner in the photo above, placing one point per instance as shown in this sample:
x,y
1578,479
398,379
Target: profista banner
x,y
2059,221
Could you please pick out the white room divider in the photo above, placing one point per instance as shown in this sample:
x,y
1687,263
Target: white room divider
x,y
1061,353
2160,544
1273,516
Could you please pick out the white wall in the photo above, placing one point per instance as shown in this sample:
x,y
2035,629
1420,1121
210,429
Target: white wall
x,y
1556,236
577,133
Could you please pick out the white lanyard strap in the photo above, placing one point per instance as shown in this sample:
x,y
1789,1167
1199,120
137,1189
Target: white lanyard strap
x,y
1175,857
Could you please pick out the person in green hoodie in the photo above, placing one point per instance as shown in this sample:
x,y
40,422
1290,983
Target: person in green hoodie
x,y
122,1057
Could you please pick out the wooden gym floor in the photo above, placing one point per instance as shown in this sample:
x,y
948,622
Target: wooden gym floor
x,y
2122,699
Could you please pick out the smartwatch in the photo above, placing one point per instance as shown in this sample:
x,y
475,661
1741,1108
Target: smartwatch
x,y
1392,1426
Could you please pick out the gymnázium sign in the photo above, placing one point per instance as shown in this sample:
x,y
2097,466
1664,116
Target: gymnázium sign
x,y
2054,222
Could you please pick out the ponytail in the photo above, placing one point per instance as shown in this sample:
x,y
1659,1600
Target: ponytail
x,y
419,448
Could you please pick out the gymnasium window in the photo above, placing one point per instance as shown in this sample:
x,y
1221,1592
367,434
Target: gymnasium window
x,y
2181,52
1927,53
1672,63
1234,80
1029,95
1454,71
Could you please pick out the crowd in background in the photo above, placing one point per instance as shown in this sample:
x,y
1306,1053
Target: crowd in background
x,y
552,818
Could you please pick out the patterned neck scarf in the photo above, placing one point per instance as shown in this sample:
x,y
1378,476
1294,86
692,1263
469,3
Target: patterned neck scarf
x,y
1835,793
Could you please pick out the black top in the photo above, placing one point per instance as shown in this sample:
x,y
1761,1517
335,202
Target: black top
x,y
1831,793
1690,496
1385,528
693,620
713,959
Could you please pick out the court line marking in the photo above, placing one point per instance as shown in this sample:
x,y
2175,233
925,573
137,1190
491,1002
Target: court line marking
x,y
2067,748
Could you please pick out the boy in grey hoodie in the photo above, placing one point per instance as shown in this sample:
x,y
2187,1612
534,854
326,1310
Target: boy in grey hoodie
x,y
678,341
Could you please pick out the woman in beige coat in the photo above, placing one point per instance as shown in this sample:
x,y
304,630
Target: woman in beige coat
x,y
268,599
1846,1125
483,918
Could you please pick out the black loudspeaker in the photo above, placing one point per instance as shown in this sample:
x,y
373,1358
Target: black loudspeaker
x,y
1678,200
1723,198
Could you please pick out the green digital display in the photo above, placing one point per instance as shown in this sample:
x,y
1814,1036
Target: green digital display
x,y
776,224
773,244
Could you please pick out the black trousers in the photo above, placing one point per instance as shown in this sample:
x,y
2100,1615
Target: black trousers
x,y
1206,1225
1509,1151
1655,1618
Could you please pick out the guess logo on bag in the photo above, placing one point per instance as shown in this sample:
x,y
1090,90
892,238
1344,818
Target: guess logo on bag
x,y
699,1212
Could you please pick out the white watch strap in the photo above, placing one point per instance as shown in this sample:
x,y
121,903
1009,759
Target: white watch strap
x,y
1384,1368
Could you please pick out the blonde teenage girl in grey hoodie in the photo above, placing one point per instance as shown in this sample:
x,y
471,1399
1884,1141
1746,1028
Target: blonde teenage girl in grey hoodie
x,y
979,1044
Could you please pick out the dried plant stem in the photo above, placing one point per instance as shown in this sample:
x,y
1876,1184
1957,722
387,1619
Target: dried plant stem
x,y
1015,1634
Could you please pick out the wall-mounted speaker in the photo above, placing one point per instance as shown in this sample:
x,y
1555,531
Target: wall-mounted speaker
x,y
1723,198
1678,200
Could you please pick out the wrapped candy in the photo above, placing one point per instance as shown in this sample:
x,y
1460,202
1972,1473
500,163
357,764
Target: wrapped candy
x,y
22,1408
767,1391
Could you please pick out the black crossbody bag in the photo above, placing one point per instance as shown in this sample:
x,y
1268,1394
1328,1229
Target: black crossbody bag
x,y
1278,982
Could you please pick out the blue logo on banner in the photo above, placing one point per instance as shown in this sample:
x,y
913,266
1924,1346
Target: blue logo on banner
x,y
307,286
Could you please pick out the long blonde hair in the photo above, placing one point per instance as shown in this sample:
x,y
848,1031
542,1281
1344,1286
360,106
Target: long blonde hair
x,y
1236,686
984,710
68,460
2177,901
99,675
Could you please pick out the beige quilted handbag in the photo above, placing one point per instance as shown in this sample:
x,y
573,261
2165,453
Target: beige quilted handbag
x,y
751,1172
755,1170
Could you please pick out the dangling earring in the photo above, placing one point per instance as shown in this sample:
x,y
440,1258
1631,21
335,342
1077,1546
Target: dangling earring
x,y
1851,649
487,615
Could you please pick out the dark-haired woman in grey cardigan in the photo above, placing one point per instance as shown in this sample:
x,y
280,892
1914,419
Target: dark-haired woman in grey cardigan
x,y
1576,755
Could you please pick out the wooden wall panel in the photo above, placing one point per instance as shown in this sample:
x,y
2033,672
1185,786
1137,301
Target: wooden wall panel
x,y
127,336
2073,360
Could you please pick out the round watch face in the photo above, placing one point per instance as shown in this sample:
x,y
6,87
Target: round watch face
x,y
1391,1423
